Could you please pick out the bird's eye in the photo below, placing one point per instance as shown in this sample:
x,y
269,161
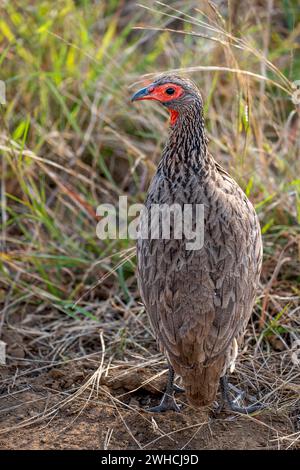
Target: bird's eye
x,y
170,91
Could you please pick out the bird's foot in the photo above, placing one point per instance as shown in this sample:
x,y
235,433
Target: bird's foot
x,y
247,409
167,403
232,404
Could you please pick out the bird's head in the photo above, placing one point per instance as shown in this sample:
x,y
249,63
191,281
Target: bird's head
x,y
178,94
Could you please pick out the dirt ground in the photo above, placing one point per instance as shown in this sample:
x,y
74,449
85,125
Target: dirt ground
x,y
37,412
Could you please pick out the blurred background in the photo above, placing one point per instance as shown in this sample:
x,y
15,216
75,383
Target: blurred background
x,y
70,139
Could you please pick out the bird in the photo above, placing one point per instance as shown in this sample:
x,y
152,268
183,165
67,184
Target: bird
x,y
198,301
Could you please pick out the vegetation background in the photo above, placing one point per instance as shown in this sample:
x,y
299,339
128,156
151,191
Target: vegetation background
x,y
79,348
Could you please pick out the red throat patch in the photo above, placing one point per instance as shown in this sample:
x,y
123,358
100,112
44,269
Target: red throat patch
x,y
173,116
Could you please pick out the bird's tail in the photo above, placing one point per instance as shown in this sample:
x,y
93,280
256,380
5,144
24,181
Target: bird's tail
x,y
201,383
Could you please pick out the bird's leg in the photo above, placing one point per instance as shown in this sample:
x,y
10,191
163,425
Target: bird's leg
x,y
231,404
168,401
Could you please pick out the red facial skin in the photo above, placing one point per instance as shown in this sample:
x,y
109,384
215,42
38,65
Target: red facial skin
x,y
159,94
173,116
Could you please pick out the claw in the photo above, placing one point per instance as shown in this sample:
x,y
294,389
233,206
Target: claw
x,y
231,404
178,389
246,409
167,403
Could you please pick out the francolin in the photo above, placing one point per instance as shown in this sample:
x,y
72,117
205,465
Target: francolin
x,y
198,301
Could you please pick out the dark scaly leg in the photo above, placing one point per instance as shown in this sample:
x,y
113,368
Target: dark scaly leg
x,y
228,402
168,401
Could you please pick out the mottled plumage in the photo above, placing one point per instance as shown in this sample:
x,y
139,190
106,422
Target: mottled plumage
x,y
199,301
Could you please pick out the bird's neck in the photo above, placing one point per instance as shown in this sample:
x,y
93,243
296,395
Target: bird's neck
x,y
186,148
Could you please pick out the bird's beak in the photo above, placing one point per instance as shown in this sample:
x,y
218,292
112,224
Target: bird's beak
x,y
143,94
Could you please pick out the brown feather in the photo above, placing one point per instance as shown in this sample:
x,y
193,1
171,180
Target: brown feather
x,y
199,301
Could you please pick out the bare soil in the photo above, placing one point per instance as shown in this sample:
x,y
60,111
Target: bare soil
x,y
33,416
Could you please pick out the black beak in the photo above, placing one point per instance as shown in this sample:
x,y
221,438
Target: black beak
x,y
140,95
